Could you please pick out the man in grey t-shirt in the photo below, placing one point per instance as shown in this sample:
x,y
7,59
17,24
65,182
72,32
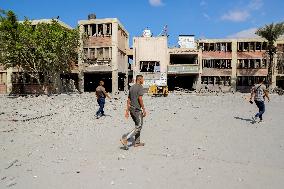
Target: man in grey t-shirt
x,y
135,107
259,92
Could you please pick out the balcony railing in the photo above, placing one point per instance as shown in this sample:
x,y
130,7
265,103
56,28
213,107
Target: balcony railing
x,y
183,69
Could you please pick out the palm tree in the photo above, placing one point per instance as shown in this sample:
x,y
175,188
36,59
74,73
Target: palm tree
x,y
271,33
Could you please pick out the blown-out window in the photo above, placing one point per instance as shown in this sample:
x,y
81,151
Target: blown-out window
x,y
149,66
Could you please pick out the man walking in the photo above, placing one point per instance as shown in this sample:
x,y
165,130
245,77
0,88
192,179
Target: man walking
x,y
101,95
135,107
259,92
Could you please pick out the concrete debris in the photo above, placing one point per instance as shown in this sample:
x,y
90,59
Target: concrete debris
x,y
121,156
3,178
177,132
12,163
8,131
10,184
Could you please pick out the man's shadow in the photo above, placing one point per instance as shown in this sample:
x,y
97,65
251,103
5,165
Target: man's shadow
x,y
245,119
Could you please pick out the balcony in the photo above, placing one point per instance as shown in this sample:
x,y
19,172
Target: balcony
x,y
183,69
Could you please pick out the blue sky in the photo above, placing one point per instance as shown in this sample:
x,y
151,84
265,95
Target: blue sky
x,y
204,18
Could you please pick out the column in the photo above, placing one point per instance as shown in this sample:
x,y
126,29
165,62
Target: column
x,y
104,52
126,74
114,61
89,30
9,80
198,83
234,66
80,59
274,72
104,29
110,52
89,53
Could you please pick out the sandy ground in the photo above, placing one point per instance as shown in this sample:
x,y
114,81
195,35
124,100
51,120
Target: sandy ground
x,y
191,142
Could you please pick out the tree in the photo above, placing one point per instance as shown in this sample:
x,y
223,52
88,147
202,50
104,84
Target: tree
x,y
44,49
271,33
8,38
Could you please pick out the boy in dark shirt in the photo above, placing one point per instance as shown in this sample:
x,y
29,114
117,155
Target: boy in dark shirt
x,y
101,95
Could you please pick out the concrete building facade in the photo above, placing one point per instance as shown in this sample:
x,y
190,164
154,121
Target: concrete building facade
x,y
236,63
175,67
150,59
184,69
103,54
227,64
224,64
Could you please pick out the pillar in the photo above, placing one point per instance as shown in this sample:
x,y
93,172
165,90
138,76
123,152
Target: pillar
x,y
110,53
80,59
89,30
234,65
9,80
274,72
198,82
114,62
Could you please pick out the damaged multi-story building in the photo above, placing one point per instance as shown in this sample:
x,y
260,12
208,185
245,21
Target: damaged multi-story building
x,y
223,64
237,63
184,67
103,54
175,67
150,58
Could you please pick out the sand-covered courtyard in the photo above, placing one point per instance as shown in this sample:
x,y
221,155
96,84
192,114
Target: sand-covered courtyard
x,y
191,142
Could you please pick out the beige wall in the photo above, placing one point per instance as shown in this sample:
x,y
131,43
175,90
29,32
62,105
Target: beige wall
x,y
122,38
150,49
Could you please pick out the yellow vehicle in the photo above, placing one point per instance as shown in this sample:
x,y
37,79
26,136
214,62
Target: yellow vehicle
x,y
156,90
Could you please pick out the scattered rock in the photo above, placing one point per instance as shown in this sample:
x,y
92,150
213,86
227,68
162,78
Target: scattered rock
x,y
121,156
11,184
11,164
3,178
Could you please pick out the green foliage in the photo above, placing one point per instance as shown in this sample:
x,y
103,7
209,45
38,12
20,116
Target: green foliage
x,y
271,33
47,48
